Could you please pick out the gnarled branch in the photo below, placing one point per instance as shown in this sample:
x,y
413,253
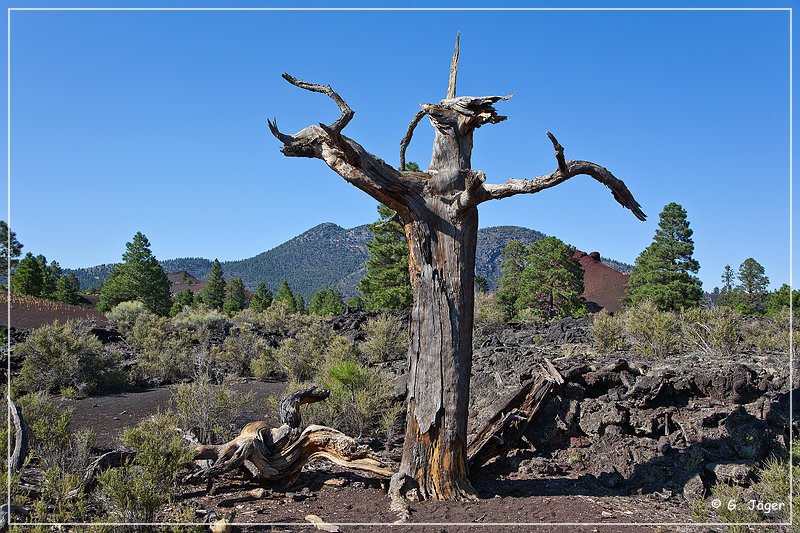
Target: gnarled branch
x,y
347,113
407,137
17,458
451,84
566,170
348,158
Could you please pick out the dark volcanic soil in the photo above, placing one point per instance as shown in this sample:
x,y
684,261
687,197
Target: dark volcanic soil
x,y
108,415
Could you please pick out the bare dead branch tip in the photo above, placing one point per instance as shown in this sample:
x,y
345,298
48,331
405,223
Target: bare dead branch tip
x,y
347,113
562,164
451,85
407,137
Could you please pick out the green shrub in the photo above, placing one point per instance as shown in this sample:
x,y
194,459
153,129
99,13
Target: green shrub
x,y
277,318
489,317
124,315
266,368
61,455
607,331
734,507
653,332
200,317
302,357
387,339
66,355
164,355
140,489
712,332
210,409
770,335
237,352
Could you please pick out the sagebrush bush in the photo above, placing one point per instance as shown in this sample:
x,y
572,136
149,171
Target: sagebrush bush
x,y
200,317
711,331
301,357
608,332
239,349
124,315
770,335
387,339
359,401
266,367
61,455
61,355
277,318
208,409
489,317
140,489
165,355
654,332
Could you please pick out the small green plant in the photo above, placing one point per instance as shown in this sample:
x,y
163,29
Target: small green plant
x,y
141,488
733,509
200,317
209,409
387,339
266,368
653,332
63,355
301,357
607,331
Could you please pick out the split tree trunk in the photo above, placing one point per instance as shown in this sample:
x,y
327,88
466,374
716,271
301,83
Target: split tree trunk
x,y
439,210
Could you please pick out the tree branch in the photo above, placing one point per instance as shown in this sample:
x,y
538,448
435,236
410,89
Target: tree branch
x,y
407,137
347,113
566,170
398,190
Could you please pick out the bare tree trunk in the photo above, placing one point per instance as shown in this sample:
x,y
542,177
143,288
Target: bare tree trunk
x,y
439,210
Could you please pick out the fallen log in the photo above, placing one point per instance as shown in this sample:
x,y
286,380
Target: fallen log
x,y
279,454
509,423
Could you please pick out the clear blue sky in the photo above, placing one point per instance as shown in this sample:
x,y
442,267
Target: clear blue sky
x,y
155,122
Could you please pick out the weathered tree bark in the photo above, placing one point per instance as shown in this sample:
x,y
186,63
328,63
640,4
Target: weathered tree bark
x,y
15,461
279,454
439,210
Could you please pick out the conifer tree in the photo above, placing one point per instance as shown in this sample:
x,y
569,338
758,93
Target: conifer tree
x,y
8,254
511,267
326,302
180,300
138,277
551,284
753,284
664,271
300,302
50,276
234,296
213,294
262,298
67,288
28,276
285,296
387,285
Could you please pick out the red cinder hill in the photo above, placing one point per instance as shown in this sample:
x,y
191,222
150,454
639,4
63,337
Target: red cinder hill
x,y
31,312
603,286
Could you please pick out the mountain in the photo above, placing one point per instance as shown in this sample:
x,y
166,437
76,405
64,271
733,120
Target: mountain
x,y
327,255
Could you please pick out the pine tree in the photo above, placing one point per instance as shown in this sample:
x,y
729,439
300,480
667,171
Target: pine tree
x,y
542,280
664,271
778,300
326,302
213,294
234,296
28,276
387,285
10,249
67,288
285,296
511,268
753,286
138,277
262,298
185,298
301,304
50,276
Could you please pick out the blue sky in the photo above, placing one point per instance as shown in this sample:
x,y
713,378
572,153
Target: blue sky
x,y
156,122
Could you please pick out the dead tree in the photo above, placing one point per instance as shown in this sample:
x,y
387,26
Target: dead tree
x,y
439,210
279,454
